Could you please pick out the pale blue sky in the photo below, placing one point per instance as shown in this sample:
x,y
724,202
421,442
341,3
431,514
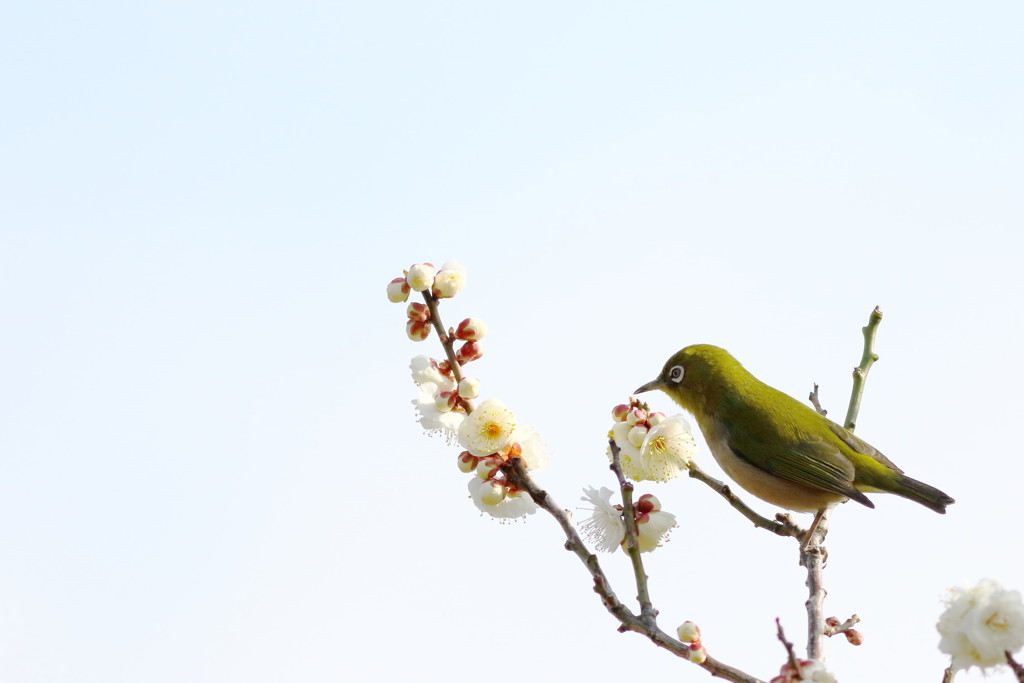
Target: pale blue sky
x,y
209,469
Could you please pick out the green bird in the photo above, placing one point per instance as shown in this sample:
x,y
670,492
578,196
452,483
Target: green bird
x,y
775,447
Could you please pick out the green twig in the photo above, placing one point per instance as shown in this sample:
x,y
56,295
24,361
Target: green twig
x,y
860,373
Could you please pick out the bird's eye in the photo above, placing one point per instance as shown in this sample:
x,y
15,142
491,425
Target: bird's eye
x,y
676,374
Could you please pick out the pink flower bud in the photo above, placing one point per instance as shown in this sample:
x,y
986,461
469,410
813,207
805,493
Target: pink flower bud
x,y
833,622
418,311
620,412
647,504
469,351
398,290
655,419
418,330
697,654
636,416
854,636
467,462
420,277
471,329
445,368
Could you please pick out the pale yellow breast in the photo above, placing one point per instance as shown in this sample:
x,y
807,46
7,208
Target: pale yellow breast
x,y
767,487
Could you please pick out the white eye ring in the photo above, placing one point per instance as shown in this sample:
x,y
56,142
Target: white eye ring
x,y
676,374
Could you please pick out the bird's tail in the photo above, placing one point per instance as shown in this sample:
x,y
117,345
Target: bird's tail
x,y
926,495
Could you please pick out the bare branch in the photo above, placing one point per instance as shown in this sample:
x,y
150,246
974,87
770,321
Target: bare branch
x,y
860,373
813,398
782,525
1018,670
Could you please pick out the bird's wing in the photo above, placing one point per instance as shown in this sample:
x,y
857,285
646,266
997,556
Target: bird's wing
x,y
813,462
861,446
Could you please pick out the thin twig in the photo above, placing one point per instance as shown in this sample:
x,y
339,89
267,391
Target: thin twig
x,y
782,525
812,558
447,342
520,478
948,675
632,544
816,403
860,373
790,654
1018,670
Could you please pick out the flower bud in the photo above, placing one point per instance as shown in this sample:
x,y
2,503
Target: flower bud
x,y
469,387
833,622
620,412
636,416
471,350
697,654
467,462
492,492
471,329
448,283
418,330
446,401
445,368
854,636
486,467
655,419
418,311
688,632
420,277
398,290
637,435
647,504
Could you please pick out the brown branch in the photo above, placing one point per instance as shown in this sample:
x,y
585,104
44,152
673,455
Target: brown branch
x,y
813,398
782,525
790,654
948,675
520,478
632,544
1018,670
447,342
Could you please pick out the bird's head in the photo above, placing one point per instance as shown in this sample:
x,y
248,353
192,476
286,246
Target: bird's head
x,y
699,377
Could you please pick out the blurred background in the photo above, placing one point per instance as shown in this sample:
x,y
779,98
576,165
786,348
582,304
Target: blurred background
x,y
210,468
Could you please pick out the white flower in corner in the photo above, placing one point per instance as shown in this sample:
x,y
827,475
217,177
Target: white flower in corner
x,y
980,624
488,429
605,527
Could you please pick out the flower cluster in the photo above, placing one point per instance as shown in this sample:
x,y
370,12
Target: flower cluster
x,y
491,437
981,624
606,526
807,670
652,447
489,432
689,633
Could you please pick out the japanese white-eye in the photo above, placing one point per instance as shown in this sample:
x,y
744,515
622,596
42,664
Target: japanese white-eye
x,y
775,447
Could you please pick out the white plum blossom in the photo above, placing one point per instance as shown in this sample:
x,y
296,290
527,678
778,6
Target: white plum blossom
x,y
488,429
605,527
424,370
434,421
653,529
668,448
534,452
980,624
488,499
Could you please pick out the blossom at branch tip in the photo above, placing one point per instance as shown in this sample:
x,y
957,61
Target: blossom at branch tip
x,y
652,447
688,632
488,429
980,624
420,277
450,280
